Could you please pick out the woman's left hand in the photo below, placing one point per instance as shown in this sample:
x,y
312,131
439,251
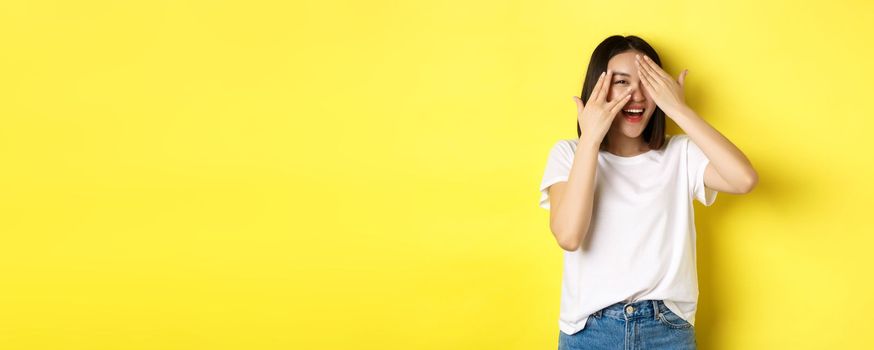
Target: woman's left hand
x,y
666,92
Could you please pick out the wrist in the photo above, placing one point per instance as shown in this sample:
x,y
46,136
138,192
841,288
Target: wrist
x,y
680,112
587,143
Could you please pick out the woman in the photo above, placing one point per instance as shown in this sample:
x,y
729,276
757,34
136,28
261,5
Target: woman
x,y
620,200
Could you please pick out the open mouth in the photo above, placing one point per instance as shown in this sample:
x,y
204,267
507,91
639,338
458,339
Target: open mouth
x,y
633,115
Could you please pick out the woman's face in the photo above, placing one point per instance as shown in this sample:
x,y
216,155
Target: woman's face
x,y
630,121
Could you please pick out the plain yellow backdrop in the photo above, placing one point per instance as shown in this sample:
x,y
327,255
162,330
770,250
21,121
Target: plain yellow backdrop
x,y
364,175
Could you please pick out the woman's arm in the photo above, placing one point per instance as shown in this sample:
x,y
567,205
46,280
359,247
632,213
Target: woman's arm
x,y
571,203
570,215
729,169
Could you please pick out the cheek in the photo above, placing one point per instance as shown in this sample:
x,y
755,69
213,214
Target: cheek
x,y
616,90
611,92
650,110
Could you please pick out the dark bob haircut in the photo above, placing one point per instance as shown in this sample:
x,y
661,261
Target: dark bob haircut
x,y
654,133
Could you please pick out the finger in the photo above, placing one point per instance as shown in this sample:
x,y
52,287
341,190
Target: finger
x,y
617,104
618,107
597,89
605,86
655,79
643,74
651,76
642,65
655,67
682,79
579,104
647,82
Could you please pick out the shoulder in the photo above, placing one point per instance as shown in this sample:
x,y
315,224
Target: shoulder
x,y
567,143
564,147
677,141
562,153
677,138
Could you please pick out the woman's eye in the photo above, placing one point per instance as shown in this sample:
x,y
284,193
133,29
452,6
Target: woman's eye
x,y
620,82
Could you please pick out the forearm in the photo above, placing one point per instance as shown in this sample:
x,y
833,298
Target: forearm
x,y
574,212
728,161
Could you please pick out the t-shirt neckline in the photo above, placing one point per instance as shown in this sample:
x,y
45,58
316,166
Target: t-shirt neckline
x,y
612,156
633,159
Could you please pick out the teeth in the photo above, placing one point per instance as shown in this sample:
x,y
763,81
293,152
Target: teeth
x,y
632,110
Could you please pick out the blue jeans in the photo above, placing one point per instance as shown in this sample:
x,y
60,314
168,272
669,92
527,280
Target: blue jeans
x,y
644,325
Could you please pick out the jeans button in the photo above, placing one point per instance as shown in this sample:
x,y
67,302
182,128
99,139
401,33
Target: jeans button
x,y
629,309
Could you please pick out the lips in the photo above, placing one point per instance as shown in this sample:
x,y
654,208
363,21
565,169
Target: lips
x,y
632,119
633,112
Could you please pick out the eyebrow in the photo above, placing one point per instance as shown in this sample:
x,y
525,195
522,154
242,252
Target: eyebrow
x,y
621,73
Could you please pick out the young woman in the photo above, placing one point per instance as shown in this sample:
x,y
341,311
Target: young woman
x,y
620,201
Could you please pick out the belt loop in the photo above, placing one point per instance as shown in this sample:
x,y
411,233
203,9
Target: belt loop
x,y
655,309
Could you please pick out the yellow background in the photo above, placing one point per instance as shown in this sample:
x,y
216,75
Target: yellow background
x,y
364,175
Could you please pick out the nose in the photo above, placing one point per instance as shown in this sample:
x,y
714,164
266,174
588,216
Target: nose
x,y
637,94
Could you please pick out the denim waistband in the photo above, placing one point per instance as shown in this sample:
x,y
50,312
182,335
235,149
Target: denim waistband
x,y
636,310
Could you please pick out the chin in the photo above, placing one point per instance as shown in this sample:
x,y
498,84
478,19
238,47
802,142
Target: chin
x,y
632,134
634,130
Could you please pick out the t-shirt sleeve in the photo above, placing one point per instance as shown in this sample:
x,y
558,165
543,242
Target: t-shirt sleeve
x,y
558,167
696,162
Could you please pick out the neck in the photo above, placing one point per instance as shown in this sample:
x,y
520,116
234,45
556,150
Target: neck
x,y
624,146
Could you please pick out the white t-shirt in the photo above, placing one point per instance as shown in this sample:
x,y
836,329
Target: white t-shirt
x,y
641,240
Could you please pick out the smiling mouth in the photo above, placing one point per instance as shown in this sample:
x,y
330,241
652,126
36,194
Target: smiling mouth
x,y
633,115
633,112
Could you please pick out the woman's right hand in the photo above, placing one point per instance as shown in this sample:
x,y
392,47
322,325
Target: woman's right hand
x,y
596,116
